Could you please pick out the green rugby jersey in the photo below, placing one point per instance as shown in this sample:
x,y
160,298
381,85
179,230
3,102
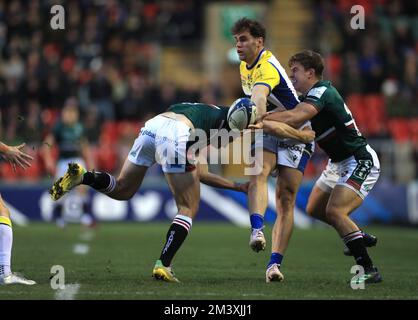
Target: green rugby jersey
x,y
203,116
336,130
68,139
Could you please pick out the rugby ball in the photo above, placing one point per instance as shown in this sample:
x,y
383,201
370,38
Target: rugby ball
x,y
241,114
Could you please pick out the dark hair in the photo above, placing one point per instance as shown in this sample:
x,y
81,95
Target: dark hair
x,y
255,28
309,60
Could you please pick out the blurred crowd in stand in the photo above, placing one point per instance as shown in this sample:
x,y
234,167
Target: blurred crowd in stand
x,y
106,57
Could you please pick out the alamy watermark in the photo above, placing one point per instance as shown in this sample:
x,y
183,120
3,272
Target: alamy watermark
x,y
180,151
357,282
57,21
58,277
358,20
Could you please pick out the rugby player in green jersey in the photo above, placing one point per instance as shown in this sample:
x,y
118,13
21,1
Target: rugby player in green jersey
x,y
353,168
166,139
68,135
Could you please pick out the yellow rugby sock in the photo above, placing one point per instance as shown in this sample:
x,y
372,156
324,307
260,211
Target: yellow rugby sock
x,y
6,220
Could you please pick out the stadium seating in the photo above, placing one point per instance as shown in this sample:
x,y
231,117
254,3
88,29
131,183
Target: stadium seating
x,y
413,127
375,114
110,132
49,117
399,129
34,172
106,157
355,103
7,173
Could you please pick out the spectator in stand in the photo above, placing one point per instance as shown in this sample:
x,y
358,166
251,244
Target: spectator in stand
x,y
69,136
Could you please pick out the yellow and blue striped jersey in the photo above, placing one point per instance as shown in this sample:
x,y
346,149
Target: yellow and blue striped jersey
x,y
267,71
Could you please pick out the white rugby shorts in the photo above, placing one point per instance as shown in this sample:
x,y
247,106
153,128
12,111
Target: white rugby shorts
x,y
289,152
359,175
162,140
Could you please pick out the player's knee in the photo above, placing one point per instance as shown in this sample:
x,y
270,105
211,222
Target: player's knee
x,y
333,214
287,198
311,209
261,178
315,209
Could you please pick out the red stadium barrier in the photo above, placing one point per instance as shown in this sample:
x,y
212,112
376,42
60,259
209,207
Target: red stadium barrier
x,y
355,103
7,173
399,129
376,114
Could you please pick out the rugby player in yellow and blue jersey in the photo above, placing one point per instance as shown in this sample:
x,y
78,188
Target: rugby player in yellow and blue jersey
x,y
166,139
353,168
265,81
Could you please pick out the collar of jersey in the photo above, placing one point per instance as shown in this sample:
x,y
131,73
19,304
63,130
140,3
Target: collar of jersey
x,y
256,60
317,84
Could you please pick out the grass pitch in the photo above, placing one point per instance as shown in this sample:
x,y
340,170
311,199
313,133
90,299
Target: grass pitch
x,y
115,262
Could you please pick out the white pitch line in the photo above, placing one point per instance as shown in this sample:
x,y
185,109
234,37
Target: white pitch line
x,y
153,293
81,248
98,294
68,292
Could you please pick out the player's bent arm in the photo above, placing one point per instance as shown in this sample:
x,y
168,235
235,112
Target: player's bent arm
x,y
217,181
283,130
295,117
259,96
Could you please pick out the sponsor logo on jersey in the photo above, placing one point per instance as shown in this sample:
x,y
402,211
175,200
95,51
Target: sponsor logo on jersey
x,y
290,147
363,169
317,92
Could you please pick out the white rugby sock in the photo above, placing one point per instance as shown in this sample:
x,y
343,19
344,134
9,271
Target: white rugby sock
x,y
6,241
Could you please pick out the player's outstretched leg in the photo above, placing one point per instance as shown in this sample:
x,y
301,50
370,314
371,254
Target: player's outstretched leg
x,y
122,188
71,179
